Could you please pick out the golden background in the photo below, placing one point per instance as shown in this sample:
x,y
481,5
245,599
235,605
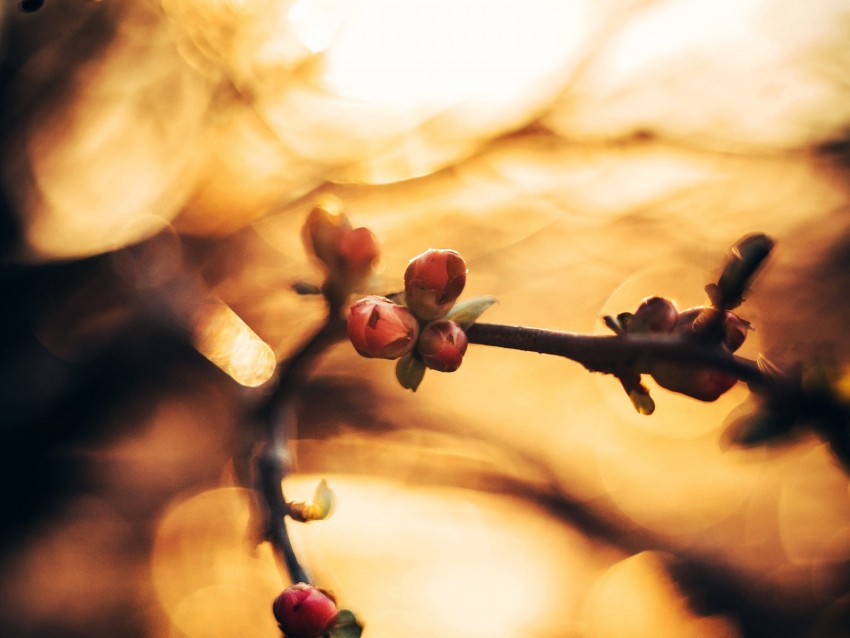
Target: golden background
x,y
158,159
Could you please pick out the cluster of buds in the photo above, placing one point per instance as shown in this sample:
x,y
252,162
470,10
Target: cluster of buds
x,y
657,315
381,328
347,254
304,611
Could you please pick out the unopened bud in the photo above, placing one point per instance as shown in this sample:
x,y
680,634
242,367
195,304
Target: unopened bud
x,y
323,230
378,328
654,314
442,345
703,383
357,251
347,253
433,281
304,611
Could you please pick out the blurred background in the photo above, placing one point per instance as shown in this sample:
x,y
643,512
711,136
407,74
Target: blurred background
x,y
158,159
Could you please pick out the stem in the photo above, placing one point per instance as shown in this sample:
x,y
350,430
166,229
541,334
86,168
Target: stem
x,y
272,463
609,354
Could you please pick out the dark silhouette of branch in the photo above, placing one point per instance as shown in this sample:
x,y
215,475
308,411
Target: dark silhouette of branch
x,y
272,462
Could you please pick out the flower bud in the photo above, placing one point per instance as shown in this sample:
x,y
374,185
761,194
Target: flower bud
x,y
433,281
356,252
304,611
442,345
378,328
654,314
704,384
347,253
323,230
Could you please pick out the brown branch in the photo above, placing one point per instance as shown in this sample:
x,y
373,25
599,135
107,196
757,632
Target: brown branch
x,y
272,462
609,354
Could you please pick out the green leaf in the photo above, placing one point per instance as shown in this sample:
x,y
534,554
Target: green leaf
x,y
410,370
642,402
346,626
467,312
637,391
323,498
316,510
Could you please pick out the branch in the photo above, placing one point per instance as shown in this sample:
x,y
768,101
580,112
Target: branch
x,y
272,463
609,354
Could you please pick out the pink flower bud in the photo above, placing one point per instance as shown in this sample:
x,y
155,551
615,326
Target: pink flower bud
x,y
442,345
378,328
347,253
304,611
433,281
654,314
323,230
357,251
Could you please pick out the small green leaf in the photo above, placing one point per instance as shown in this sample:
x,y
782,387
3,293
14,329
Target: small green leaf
x,y
467,312
324,499
410,370
397,298
641,400
346,626
637,391
316,510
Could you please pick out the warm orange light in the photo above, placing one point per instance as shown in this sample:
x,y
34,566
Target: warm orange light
x,y
223,338
209,575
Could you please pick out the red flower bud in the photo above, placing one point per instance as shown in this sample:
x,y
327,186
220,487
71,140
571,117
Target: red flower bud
x,y
378,328
433,281
654,314
304,611
348,253
701,383
442,345
323,229
357,251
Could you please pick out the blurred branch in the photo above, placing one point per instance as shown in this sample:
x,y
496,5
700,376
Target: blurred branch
x,y
272,463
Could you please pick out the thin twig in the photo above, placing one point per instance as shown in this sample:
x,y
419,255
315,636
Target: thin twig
x,y
272,463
